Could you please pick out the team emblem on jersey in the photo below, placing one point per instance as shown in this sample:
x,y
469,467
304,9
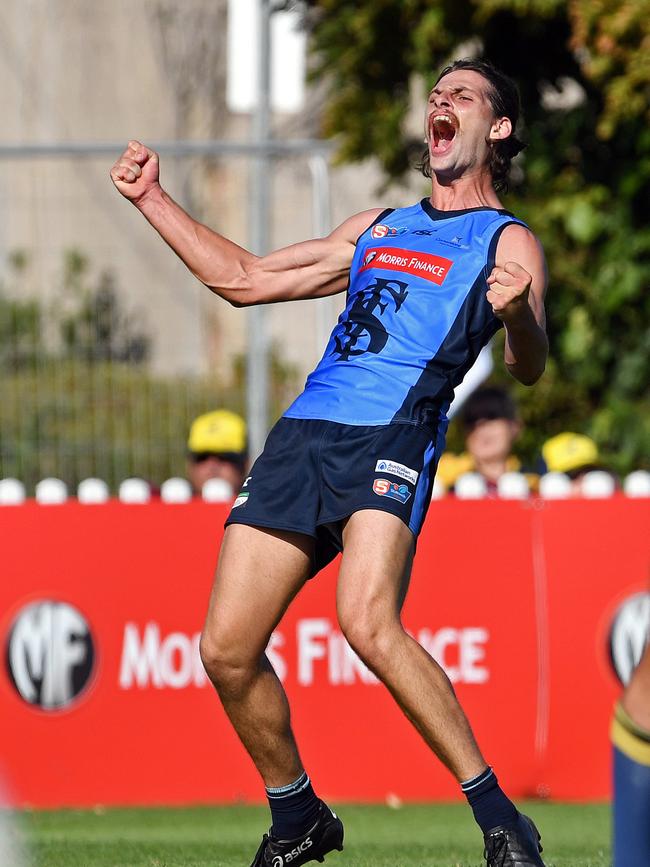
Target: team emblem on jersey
x,y
395,491
362,331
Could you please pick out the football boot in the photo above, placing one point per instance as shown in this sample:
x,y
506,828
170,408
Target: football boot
x,y
325,835
514,847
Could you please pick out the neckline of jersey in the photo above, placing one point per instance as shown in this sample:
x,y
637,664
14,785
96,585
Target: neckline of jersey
x,y
436,214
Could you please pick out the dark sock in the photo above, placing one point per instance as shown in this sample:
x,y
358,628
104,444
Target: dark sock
x,y
490,806
294,808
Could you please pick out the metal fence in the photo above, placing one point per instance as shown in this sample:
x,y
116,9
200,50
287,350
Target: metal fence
x,y
108,348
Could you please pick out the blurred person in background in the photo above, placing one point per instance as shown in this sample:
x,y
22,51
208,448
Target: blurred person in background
x,y
216,449
491,426
631,746
350,465
573,454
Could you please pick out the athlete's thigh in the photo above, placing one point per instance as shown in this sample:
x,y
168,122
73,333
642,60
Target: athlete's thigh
x,y
258,574
375,568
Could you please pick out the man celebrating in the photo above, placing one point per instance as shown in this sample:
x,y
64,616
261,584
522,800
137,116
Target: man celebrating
x,y
428,286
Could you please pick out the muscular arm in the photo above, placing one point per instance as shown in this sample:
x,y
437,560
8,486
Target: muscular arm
x,y
517,290
310,269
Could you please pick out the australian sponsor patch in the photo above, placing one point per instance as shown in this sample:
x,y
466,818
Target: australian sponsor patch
x,y
382,231
394,490
425,265
395,469
241,500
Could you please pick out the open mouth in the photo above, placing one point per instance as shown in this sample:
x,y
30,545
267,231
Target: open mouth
x,y
443,128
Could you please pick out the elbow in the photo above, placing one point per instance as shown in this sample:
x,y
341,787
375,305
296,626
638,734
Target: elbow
x,y
529,369
527,377
235,302
249,299
234,297
530,379
235,288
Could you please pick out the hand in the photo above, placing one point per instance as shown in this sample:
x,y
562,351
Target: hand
x,y
508,292
136,172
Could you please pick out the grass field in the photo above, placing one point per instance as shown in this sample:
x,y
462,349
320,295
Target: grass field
x,y
413,836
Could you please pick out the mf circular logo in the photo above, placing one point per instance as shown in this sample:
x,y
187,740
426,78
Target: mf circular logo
x,y
50,654
629,635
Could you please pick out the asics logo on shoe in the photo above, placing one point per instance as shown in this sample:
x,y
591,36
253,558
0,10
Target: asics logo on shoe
x,y
279,861
294,853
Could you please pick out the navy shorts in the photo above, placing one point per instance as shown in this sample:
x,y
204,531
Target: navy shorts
x,y
314,474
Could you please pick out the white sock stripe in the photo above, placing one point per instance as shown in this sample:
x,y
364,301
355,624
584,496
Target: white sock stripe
x,y
291,789
478,780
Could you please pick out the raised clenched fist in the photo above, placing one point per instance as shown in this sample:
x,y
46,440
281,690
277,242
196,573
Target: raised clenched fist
x,y
509,287
136,172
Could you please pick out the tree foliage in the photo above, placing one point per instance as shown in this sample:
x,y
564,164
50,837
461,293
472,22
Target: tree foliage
x,y
95,327
583,184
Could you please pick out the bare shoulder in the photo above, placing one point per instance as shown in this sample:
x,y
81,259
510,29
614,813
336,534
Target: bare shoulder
x,y
518,244
350,229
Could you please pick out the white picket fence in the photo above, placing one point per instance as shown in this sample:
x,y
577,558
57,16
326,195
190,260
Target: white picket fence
x,y
596,484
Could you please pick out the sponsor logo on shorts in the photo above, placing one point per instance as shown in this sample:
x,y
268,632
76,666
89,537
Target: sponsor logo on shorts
x,y
384,488
425,265
395,469
241,500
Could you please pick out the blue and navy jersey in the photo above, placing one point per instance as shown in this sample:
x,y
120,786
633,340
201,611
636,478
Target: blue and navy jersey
x,y
415,320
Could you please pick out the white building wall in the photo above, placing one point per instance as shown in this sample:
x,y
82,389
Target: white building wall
x,y
74,70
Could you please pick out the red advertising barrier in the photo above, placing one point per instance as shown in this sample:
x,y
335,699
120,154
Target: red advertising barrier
x,y
103,698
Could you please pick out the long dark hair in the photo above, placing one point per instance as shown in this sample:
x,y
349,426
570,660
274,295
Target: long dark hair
x,y
504,99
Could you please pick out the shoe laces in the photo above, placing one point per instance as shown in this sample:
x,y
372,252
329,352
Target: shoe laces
x,y
496,850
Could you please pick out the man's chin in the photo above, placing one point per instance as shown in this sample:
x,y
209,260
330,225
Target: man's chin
x,y
445,171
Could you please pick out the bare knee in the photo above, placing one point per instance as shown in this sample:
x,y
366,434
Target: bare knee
x,y
371,631
226,663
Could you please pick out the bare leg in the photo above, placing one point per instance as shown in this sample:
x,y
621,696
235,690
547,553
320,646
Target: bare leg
x,y
258,575
378,550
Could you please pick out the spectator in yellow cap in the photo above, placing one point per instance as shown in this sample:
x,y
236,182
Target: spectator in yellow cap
x,y
573,454
217,450
570,453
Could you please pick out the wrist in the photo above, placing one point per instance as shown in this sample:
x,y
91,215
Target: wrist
x,y
519,319
150,199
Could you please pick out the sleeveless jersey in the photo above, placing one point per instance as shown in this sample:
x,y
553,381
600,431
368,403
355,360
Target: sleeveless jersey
x,y
415,320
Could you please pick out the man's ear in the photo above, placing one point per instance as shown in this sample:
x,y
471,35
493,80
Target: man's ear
x,y
501,128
